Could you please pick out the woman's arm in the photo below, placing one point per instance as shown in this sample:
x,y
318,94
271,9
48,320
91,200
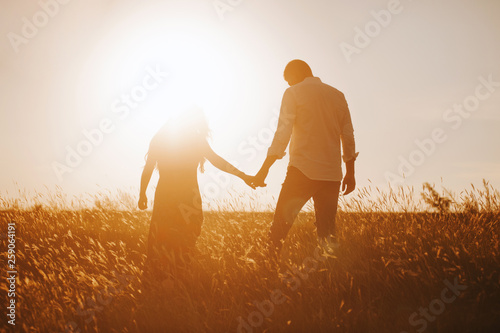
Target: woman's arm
x,y
225,166
145,178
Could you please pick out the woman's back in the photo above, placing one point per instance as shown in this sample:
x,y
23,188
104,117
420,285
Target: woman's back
x,y
180,146
177,160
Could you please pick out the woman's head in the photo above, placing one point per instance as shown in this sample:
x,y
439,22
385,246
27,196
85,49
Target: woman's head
x,y
190,124
184,135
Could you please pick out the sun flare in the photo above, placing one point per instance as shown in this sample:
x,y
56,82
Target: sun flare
x,y
197,66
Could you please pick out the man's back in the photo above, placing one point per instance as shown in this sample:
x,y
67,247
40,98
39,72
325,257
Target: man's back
x,y
320,118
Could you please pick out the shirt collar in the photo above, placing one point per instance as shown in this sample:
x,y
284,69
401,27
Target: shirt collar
x,y
312,79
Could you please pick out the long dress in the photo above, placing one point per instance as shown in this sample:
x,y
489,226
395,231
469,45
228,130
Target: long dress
x,y
177,211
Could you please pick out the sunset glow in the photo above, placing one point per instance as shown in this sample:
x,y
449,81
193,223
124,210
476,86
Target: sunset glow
x,y
250,166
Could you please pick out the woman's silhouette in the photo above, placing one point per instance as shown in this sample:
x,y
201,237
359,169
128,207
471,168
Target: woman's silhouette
x,y
178,149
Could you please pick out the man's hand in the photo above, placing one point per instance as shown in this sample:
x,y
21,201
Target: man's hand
x,y
143,202
348,184
260,178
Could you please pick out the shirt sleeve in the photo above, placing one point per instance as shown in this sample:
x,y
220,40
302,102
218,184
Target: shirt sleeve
x,y
285,125
347,136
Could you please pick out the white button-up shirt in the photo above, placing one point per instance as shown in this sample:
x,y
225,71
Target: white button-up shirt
x,y
316,118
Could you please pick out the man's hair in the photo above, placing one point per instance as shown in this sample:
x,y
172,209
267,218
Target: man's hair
x,y
299,68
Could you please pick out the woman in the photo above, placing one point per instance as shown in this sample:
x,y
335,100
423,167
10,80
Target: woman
x,y
178,149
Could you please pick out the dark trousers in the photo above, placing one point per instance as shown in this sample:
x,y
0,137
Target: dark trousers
x,y
295,192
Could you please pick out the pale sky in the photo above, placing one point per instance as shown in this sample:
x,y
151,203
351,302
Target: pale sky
x,y
69,72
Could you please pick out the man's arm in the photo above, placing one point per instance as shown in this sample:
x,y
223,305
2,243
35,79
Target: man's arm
x,y
260,177
281,137
349,151
349,181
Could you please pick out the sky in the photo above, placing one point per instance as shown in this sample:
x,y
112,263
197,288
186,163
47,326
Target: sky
x,y
84,85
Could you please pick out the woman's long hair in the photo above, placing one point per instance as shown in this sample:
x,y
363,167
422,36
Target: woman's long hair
x,y
189,130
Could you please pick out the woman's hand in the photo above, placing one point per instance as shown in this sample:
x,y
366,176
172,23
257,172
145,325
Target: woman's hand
x,y
143,202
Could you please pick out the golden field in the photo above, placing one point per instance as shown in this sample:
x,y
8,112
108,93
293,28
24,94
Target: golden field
x,y
81,269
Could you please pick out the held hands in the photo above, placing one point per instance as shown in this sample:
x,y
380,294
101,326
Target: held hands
x,y
255,181
143,202
248,180
260,178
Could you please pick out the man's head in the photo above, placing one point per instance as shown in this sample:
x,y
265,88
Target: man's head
x,y
296,71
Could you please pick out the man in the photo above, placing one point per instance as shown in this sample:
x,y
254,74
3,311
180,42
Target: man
x,y
316,118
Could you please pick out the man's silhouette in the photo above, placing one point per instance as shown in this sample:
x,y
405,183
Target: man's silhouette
x,y
316,118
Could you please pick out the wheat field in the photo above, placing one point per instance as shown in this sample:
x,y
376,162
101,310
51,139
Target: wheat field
x,y
401,267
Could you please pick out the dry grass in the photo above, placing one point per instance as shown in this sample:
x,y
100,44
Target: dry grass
x,y
82,268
